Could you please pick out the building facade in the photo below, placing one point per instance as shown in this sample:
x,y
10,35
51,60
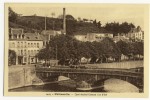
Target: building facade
x,y
47,35
136,34
26,45
91,37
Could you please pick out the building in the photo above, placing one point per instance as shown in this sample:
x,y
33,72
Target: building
x,y
121,37
91,37
136,33
80,37
47,35
26,45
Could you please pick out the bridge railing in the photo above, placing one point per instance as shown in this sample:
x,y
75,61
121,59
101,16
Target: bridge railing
x,y
120,72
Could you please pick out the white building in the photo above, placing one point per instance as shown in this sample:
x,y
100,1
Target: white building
x,y
91,37
26,45
136,33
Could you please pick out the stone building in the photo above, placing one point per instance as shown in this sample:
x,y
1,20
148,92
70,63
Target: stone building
x,y
91,37
136,33
26,45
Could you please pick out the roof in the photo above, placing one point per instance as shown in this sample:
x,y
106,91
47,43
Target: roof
x,y
16,31
52,32
134,30
33,36
28,37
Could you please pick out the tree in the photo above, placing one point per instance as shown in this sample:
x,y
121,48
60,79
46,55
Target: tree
x,y
125,27
45,54
116,28
12,57
70,27
68,17
110,49
99,24
123,46
12,15
95,22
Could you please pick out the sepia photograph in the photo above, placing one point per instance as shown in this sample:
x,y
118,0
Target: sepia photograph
x,y
76,49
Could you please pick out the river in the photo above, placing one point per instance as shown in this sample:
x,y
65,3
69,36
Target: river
x,y
52,87
111,85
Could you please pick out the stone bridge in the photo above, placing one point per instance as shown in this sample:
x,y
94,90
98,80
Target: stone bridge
x,y
92,75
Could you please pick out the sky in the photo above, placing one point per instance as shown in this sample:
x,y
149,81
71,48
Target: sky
x,y
101,12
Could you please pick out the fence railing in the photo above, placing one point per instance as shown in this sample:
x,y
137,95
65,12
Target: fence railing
x,y
118,72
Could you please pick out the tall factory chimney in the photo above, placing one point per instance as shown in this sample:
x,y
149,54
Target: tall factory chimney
x,y
64,21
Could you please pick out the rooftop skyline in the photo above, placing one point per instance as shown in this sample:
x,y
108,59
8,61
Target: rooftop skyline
x,y
104,13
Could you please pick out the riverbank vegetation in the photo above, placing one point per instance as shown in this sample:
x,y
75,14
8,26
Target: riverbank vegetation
x,y
67,50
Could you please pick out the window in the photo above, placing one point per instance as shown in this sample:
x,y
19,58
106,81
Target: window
x,y
18,44
34,52
34,44
28,52
25,44
28,38
19,36
43,43
21,52
31,44
31,52
38,45
10,36
13,45
25,59
23,36
32,59
25,52
18,52
51,36
28,44
21,44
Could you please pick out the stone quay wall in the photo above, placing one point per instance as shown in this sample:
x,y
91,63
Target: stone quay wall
x,y
20,76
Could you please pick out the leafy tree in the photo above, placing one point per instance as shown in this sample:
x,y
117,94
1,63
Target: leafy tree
x,y
12,15
99,24
95,22
68,17
45,54
110,49
12,57
125,27
116,28
123,46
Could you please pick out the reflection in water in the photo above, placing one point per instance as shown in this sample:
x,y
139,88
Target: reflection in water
x,y
70,86
52,87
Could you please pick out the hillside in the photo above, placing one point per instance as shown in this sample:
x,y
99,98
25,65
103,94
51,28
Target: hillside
x,y
37,23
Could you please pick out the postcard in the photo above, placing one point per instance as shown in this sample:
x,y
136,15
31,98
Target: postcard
x,y
79,50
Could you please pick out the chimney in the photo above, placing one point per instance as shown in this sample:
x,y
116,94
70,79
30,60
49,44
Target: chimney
x,y
64,20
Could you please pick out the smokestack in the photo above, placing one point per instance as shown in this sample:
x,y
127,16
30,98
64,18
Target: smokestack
x,y
64,20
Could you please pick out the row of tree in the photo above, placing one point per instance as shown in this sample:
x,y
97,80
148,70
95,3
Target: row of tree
x,y
68,49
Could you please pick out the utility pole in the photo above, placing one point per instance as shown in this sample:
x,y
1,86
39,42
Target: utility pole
x,y
56,51
45,23
53,25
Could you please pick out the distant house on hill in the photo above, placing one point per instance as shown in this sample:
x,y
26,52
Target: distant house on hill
x,y
136,34
93,36
121,37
